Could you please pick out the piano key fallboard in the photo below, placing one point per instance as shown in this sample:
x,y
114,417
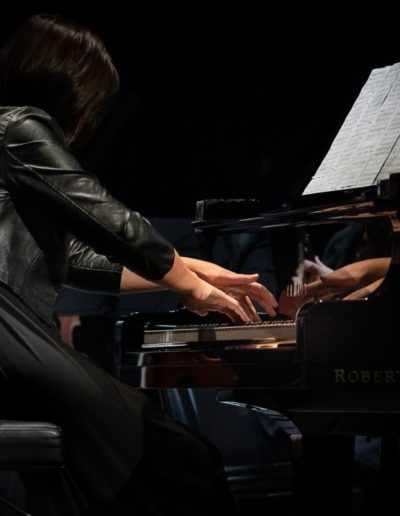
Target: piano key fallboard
x,y
270,330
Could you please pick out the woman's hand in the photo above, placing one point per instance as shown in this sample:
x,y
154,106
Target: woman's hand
x,y
201,297
243,287
247,293
217,275
211,299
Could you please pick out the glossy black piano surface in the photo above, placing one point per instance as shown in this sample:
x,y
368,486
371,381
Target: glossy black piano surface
x,y
341,371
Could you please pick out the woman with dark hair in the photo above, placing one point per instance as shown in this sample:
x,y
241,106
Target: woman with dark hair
x,y
64,69
59,225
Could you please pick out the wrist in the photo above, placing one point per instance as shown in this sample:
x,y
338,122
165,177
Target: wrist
x,y
181,279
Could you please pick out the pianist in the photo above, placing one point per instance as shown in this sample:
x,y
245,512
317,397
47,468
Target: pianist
x,y
58,224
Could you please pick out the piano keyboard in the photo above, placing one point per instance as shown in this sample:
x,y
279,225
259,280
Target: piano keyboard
x,y
274,330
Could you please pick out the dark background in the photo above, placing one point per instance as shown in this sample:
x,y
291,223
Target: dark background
x,y
222,114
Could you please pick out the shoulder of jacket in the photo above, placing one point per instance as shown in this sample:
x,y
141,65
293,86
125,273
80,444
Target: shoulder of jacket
x,y
29,118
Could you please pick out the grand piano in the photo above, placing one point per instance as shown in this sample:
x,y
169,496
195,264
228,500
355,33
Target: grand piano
x,y
333,370
339,348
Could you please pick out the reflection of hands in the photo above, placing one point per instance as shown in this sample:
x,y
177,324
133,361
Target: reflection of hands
x,y
367,274
315,269
362,278
364,291
243,287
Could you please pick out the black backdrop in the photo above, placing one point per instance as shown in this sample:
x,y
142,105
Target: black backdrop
x,y
223,114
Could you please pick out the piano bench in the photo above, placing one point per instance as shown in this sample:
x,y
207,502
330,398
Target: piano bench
x,y
27,445
34,449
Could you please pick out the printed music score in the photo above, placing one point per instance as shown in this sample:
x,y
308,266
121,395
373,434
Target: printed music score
x,y
367,147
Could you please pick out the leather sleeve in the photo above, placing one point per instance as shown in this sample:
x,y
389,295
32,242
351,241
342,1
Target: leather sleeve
x,y
88,270
40,168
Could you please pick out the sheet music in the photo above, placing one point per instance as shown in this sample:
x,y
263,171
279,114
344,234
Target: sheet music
x,y
367,147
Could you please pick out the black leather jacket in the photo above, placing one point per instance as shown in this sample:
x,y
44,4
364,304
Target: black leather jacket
x,y
58,224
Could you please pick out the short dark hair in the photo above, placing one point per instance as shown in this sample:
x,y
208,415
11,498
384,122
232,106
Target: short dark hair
x,y
61,67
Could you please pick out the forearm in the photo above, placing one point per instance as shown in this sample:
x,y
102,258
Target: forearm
x,y
198,295
191,262
133,283
373,269
179,278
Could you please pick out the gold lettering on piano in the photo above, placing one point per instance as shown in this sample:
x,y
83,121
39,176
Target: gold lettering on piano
x,y
356,376
365,376
389,376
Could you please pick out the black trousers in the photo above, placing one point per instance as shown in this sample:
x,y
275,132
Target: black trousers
x,y
180,474
122,455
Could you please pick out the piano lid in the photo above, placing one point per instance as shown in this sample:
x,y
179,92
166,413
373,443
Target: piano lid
x,y
327,207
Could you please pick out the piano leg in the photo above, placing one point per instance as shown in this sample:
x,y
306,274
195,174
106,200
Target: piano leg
x,y
322,474
382,490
